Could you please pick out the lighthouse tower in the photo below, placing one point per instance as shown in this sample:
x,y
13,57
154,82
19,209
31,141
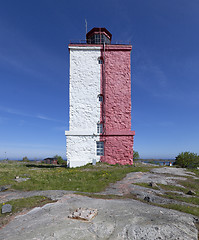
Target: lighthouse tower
x,y
100,101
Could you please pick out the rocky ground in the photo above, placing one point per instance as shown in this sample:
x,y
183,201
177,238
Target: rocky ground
x,y
115,219
164,175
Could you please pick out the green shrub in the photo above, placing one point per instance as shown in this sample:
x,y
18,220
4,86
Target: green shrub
x,y
60,160
136,156
187,160
25,159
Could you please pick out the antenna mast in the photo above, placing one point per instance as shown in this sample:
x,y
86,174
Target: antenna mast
x,y
86,25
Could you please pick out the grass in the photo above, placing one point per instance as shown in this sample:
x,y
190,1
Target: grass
x,y
182,208
22,204
88,178
108,196
178,197
192,184
189,184
146,185
173,188
179,207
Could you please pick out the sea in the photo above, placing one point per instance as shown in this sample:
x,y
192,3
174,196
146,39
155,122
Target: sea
x,y
160,162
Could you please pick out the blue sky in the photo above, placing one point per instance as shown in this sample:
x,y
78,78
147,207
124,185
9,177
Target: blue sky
x,y
34,76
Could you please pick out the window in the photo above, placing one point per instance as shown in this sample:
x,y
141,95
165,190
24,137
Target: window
x,y
97,38
99,127
100,148
100,97
100,60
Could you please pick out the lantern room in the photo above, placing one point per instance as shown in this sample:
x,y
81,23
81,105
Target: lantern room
x,y
98,36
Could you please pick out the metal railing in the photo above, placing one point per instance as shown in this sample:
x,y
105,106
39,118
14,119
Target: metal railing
x,y
116,42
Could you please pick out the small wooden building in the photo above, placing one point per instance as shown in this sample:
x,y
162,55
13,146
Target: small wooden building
x,y
50,160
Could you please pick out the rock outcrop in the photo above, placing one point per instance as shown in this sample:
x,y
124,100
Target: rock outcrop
x,y
116,219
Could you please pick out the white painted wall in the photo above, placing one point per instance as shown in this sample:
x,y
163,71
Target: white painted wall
x,y
81,150
84,105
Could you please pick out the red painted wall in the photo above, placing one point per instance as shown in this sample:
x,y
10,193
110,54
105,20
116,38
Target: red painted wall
x,y
116,110
118,149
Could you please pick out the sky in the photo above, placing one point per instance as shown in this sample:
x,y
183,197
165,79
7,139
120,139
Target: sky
x,y
34,72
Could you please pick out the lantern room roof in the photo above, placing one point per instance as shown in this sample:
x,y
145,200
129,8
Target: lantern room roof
x,y
99,30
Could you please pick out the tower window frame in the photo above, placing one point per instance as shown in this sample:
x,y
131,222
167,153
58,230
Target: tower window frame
x,y
100,60
99,127
100,148
100,97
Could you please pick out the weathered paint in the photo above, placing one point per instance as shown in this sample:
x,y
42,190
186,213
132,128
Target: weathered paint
x,y
116,87
84,105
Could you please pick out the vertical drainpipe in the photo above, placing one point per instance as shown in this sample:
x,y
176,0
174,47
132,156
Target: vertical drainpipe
x,y
104,90
100,35
103,83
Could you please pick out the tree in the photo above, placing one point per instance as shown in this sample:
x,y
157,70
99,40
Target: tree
x,y
136,155
25,159
187,160
60,160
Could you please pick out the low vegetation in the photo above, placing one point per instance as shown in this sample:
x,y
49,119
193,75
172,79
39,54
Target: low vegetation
x,y
179,197
146,185
173,188
22,204
136,156
25,159
60,160
88,178
187,160
191,183
180,193
182,208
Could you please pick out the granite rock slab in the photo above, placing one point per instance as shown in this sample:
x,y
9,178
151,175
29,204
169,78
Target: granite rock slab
x,y
117,219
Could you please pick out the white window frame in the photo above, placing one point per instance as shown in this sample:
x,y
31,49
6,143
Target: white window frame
x,y
100,97
99,127
100,60
100,148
